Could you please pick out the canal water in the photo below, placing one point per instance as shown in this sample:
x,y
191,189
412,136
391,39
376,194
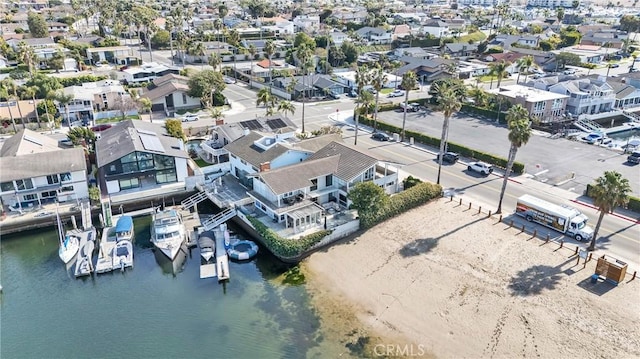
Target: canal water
x,y
155,310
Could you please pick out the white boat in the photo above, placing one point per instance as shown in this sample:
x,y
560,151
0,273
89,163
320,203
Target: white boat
x,y
124,229
107,245
168,232
207,246
84,264
69,243
123,255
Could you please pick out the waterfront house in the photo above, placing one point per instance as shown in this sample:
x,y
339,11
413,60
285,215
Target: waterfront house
x,y
169,93
298,195
35,170
586,95
547,106
139,159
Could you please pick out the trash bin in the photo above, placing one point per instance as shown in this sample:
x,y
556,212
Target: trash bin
x,y
594,278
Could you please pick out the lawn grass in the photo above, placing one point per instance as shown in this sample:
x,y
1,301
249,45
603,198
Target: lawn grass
x,y
373,48
201,163
474,36
385,91
117,119
487,78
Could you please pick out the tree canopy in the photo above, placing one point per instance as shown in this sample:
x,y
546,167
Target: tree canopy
x,y
204,84
367,198
37,25
174,129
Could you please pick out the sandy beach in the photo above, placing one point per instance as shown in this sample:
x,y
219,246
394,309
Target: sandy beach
x,y
444,281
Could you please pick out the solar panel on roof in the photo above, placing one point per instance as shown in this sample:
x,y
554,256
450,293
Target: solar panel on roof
x,y
32,140
251,124
276,123
146,132
151,143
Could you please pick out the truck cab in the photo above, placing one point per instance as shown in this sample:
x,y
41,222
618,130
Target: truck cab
x,y
579,229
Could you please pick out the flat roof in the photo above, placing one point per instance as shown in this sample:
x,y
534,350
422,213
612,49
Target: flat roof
x,y
529,93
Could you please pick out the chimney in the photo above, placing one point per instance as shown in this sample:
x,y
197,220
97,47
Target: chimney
x,y
265,166
245,132
220,122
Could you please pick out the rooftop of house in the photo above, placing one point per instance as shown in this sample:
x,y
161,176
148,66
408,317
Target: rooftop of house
x,y
86,91
28,154
530,94
150,67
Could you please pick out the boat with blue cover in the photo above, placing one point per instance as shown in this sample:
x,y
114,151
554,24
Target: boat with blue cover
x,y
124,229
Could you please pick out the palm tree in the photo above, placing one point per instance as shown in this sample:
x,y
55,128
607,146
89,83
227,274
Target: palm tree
x,y
265,97
304,55
519,125
362,79
478,94
409,81
610,191
4,93
378,80
216,113
234,40
269,50
145,106
12,95
287,106
252,51
215,61
449,103
524,64
198,50
65,100
27,56
30,93
498,70
365,102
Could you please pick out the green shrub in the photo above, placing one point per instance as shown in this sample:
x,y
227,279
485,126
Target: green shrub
x,y
518,167
285,247
79,80
633,205
410,182
415,196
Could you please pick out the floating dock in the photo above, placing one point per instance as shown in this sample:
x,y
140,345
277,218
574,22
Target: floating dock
x,y
222,261
86,241
105,251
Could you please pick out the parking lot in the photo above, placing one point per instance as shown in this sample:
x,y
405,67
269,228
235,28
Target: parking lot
x,y
567,164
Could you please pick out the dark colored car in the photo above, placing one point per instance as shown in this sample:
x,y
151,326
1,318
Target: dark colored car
x,y
352,93
449,157
100,128
380,136
634,157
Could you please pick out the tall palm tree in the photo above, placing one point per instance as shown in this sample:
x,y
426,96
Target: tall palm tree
x,y
365,102
362,79
378,80
30,93
234,40
524,64
409,81
499,70
4,94
610,191
27,56
519,124
252,51
12,96
304,55
286,106
215,61
478,94
64,100
449,102
198,50
269,50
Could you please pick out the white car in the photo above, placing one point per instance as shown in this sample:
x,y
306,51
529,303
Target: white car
x,y
229,80
396,93
480,167
190,117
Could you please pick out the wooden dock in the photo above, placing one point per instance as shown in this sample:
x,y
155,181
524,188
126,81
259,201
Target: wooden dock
x,y
222,261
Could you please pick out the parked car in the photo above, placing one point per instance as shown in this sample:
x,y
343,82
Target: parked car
x,y
66,142
333,95
99,128
614,66
396,93
190,117
410,107
480,167
229,80
352,93
569,71
634,157
380,136
449,157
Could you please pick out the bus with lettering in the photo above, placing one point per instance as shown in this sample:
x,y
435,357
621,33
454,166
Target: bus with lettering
x,y
565,219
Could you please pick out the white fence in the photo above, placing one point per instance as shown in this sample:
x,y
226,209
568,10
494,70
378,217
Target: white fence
x,y
275,91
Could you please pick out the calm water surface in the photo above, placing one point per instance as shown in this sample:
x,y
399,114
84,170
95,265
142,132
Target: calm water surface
x,y
155,310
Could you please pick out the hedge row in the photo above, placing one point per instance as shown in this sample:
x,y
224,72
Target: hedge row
x,y
79,80
413,197
518,168
633,205
286,247
474,110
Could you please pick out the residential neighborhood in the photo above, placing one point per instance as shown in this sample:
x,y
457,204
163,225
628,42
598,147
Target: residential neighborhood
x,y
323,153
